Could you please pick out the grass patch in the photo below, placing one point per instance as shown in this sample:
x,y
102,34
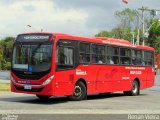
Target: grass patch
x,y
4,87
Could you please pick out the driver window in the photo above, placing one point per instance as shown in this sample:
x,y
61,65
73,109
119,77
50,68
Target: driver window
x,y
64,57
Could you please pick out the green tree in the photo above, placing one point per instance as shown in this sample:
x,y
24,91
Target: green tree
x,y
128,18
1,55
128,23
120,33
6,46
154,35
104,34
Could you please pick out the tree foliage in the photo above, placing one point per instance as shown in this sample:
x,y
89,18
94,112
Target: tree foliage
x,y
128,18
104,34
6,52
129,24
154,35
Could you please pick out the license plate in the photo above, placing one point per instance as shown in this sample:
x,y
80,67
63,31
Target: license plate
x,y
27,87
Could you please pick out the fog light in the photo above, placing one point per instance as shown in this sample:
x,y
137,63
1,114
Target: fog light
x,y
48,80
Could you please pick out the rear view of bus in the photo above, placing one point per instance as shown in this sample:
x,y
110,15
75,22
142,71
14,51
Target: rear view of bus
x,y
31,64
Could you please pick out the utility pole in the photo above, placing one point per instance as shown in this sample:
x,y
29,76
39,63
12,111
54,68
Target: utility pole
x,y
138,30
153,12
133,37
142,9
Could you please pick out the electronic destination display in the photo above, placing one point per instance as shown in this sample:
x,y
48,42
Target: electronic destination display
x,y
33,37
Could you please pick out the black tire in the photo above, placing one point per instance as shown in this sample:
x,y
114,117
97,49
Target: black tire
x,y
43,98
79,93
135,89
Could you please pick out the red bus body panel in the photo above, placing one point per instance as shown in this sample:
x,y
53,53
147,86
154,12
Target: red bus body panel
x,y
98,78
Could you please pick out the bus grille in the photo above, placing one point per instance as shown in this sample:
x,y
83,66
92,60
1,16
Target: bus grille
x,y
32,90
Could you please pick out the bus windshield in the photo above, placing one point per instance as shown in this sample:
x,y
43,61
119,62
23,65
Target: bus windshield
x,y
32,58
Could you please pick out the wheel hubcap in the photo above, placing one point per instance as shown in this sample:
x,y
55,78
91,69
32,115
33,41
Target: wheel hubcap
x,y
77,91
135,88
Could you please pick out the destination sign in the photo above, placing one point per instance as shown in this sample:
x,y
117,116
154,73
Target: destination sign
x,y
33,38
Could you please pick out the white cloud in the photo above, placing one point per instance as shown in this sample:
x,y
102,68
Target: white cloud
x,y
78,17
40,14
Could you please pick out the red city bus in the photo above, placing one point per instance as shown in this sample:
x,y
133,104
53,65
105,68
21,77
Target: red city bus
x,y
54,64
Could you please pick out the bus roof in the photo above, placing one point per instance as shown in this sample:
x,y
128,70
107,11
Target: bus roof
x,y
100,40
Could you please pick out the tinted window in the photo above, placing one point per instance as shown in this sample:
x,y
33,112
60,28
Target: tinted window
x,y
125,52
148,58
32,58
112,55
125,56
84,50
64,57
98,54
137,58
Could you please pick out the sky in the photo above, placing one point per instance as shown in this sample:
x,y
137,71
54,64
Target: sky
x,y
76,17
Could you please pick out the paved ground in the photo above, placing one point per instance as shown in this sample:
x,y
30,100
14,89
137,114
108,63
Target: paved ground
x,y
117,103
4,75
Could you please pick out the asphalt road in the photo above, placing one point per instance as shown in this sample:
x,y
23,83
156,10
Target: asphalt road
x,y
29,107
116,103
4,75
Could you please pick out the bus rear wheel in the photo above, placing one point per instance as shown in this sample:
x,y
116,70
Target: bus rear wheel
x,y
135,89
43,98
79,93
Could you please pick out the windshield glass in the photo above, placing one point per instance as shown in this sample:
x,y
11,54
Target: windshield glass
x,y
32,58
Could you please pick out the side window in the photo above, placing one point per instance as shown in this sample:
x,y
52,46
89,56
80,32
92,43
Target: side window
x,y
64,57
84,56
148,58
137,58
98,54
112,56
125,56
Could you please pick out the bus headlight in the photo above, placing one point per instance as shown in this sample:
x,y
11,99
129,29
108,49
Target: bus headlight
x,y
48,80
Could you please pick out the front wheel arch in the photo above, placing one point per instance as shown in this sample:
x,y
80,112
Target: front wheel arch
x,y
81,80
81,86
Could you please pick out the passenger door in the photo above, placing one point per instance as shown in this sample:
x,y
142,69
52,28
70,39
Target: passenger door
x,y
65,64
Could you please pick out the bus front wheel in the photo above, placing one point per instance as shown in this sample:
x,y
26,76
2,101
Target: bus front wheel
x,y
43,98
79,93
135,89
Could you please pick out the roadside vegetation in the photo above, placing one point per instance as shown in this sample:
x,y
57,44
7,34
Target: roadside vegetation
x,y
6,52
4,87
